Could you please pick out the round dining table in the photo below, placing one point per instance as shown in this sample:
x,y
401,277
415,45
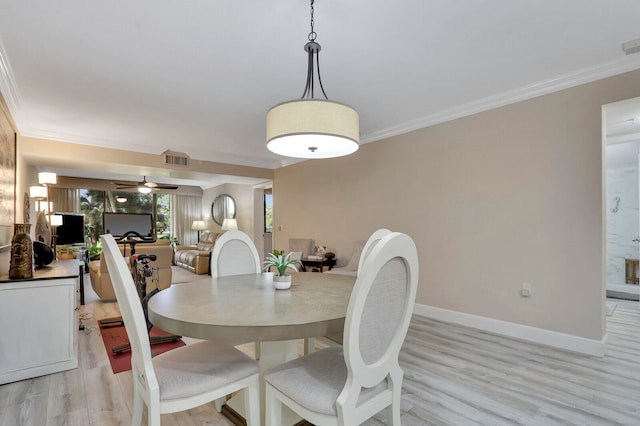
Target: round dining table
x,y
247,308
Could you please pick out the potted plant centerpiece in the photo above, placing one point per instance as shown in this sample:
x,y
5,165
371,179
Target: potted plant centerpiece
x,y
281,262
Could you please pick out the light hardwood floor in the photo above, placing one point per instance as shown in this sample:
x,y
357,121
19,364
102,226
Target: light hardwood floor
x,y
453,376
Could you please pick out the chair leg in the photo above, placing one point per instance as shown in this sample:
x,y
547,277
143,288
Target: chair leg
x,y
252,403
153,413
395,384
273,407
220,403
138,404
309,345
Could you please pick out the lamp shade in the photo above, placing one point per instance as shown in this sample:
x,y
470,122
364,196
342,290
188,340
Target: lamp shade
x,y
229,225
198,225
45,178
56,220
313,128
144,189
38,191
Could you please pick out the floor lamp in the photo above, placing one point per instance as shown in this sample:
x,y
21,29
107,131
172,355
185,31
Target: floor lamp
x,y
56,220
46,179
198,225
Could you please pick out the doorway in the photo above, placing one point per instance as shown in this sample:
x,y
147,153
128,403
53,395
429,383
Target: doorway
x,y
621,121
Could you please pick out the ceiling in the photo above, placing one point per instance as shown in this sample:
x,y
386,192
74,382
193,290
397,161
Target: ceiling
x,y
198,76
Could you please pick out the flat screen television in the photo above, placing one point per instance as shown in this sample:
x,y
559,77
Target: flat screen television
x,y
72,229
118,224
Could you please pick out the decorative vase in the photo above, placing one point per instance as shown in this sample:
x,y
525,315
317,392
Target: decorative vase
x,y
282,282
21,263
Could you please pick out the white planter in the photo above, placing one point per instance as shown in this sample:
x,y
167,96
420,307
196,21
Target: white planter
x,y
282,282
267,280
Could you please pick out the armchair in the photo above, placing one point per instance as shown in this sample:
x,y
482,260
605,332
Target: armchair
x,y
101,279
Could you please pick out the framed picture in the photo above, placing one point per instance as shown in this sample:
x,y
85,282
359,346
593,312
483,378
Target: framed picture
x,y
7,181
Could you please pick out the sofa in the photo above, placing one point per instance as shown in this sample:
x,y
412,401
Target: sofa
x,y
99,274
196,258
351,268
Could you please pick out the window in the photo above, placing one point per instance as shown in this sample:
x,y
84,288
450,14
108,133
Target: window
x,y
268,211
94,202
92,206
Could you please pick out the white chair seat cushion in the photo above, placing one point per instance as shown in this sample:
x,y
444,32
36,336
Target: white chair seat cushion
x,y
197,368
316,380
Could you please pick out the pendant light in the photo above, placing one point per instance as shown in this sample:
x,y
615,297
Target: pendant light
x,y
309,127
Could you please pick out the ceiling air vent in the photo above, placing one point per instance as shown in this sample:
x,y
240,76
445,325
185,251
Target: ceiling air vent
x,y
173,158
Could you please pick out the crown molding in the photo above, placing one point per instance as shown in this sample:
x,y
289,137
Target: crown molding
x,y
565,81
10,94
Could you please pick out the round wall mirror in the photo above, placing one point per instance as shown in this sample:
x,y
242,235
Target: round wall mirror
x,y
223,207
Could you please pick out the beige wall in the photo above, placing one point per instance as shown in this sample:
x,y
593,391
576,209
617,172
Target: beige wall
x,y
243,196
492,200
42,152
249,210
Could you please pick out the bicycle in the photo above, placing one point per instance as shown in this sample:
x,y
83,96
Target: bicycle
x,y
141,270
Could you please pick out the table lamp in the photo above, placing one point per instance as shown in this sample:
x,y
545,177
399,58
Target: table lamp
x,y
229,224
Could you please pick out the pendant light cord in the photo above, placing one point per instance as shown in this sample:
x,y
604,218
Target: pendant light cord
x,y
312,34
312,48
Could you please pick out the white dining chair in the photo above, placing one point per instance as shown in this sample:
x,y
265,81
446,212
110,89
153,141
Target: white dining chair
x,y
346,385
337,338
185,377
370,244
234,254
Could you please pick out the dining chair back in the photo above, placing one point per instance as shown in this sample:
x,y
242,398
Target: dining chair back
x,y
182,378
370,244
234,254
346,385
337,338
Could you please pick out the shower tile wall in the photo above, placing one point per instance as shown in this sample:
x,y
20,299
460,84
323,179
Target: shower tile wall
x,y
622,225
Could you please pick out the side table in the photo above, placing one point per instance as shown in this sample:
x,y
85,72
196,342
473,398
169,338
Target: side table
x,y
317,263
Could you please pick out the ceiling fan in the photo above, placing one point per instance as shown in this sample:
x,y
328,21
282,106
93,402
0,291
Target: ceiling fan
x,y
143,186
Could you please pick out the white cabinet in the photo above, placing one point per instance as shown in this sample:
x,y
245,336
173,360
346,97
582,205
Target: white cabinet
x,y
38,323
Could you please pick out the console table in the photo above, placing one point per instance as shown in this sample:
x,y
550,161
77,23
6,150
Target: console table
x,y
38,322
317,263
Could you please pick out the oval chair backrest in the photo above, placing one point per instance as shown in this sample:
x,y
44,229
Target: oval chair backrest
x,y
131,311
380,309
371,243
234,254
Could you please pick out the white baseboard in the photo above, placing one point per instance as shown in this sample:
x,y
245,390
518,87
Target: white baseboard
x,y
518,331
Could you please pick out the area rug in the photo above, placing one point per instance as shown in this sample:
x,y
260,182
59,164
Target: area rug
x,y
611,306
116,336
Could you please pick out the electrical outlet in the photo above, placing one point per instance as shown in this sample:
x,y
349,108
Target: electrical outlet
x,y
526,290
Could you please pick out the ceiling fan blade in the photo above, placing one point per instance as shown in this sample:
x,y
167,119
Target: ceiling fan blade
x,y
142,184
